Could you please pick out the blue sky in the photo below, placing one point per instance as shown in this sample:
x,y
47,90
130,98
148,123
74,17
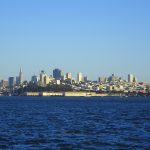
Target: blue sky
x,y
96,37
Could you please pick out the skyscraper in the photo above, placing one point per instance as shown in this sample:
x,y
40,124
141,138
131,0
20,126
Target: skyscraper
x,y
20,76
42,76
130,78
17,80
35,79
68,75
135,79
11,81
57,74
46,79
85,79
79,77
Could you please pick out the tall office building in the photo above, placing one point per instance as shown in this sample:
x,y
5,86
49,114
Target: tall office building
x,y
20,77
35,79
85,79
42,77
68,75
57,74
135,79
11,82
79,77
131,78
102,79
113,78
46,79
17,81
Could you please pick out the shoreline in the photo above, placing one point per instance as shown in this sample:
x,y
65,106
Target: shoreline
x,y
64,94
78,94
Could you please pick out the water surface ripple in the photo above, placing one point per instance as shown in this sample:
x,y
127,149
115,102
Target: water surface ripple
x,y
33,123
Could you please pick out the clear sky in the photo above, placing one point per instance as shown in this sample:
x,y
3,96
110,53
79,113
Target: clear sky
x,y
96,37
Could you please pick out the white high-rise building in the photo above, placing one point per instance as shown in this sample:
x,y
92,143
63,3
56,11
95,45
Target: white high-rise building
x,y
131,78
68,75
42,77
46,79
79,77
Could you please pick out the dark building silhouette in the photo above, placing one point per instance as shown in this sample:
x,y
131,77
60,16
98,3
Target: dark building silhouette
x,y
57,74
11,82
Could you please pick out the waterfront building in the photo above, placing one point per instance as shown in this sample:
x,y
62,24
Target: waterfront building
x,y
109,88
121,88
97,88
57,74
79,77
11,81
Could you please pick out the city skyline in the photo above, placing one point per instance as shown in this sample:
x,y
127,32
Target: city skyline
x,y
22,77
63,81
96,38
59,74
